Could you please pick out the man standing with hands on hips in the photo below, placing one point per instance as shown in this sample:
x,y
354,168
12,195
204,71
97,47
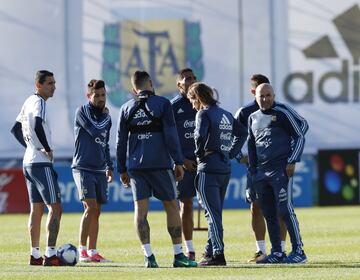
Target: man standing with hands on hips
x,y
32,130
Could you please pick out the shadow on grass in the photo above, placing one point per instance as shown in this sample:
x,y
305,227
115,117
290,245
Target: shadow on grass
x,y
234,264
109,265
320,264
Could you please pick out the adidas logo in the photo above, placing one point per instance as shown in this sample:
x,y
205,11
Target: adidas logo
x,y
348,25
225,123
180,111
282,195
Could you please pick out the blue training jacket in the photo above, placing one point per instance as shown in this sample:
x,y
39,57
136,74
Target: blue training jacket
x,y
242,116
92,131
148,134
185,123
215,129
275,138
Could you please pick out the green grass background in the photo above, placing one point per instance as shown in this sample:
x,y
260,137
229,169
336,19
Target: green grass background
x,y
331,236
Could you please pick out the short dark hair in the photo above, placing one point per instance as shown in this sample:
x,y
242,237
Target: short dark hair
x,y
202,92
139,78
95,84
180,75
41,75
258,79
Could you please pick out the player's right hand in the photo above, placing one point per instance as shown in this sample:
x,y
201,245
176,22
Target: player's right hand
x,y
48,154
190,165
125,179
248,197
244,160
178,172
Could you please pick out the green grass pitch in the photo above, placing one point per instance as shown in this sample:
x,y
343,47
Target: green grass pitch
x,y
331,236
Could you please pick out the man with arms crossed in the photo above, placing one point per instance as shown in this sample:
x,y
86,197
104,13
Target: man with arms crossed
x,y
92,166
184,115
147,125
33,132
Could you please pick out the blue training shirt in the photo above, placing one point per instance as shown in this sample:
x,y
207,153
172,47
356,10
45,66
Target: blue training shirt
x,y
184,115
147,150
275,138
92,132
215,129
242,115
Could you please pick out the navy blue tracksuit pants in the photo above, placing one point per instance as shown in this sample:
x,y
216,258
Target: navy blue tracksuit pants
x,y
211,190
274,199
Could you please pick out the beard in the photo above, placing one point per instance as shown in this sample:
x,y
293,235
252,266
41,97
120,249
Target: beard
x,y
100,106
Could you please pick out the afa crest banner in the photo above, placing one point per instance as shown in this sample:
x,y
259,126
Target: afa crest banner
x,y
161,47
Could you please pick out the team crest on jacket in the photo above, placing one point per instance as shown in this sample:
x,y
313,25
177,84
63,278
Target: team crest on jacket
x,y
273,118
161,47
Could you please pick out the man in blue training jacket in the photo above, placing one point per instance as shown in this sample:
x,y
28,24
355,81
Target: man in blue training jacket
x,y
92,166
275,144
147,130
257,218
184,115
215,143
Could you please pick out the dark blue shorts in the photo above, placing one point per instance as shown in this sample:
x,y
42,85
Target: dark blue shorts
x,y
186,187
91,185
42,184
158,183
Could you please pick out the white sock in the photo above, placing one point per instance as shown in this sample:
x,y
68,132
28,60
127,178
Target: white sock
x,y
91,252
189,246
283,246
177,249
35,252
147,249
261,246
82,248
50,251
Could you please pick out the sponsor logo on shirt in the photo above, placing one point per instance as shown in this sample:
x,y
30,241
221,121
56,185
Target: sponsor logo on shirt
x,y
225,123
189,135
99,141
144,122
144,136
225,136
225,148
180,111
188,124
140,114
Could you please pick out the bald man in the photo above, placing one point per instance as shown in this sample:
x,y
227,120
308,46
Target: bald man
x,y
275,144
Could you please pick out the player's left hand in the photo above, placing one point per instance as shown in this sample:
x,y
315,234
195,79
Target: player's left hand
x,y
290,169
109,176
